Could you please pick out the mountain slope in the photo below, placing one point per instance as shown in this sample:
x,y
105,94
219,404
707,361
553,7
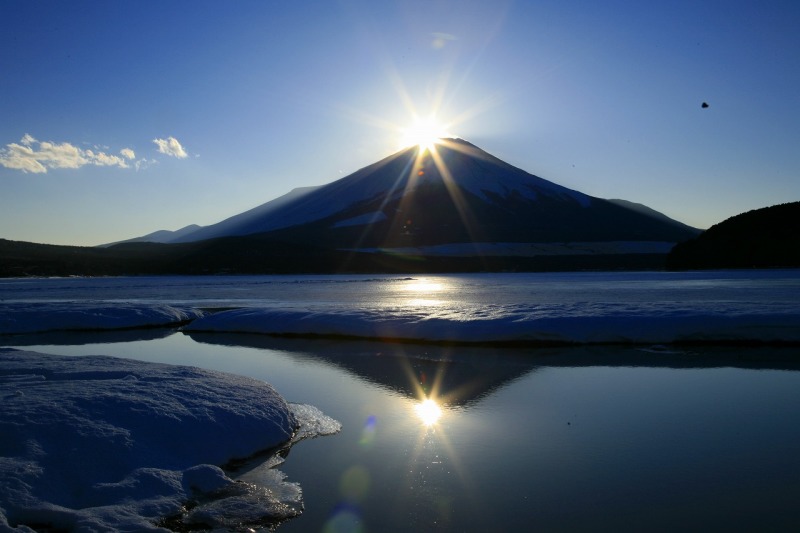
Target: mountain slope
x,y
649,211
246,222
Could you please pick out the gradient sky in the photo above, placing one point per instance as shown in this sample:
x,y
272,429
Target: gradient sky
x,y
121,118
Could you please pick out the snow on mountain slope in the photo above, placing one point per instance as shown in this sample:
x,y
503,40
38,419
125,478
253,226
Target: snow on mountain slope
x,y
482,174
454,193
469,167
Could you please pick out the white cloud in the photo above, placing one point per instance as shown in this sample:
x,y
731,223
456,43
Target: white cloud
x,y
22,158
106,160
38,156
171,146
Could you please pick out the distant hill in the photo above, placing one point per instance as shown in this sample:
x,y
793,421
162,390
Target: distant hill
x,y
162,236
762,238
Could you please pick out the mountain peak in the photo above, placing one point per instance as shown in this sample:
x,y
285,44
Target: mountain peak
x,y
454,192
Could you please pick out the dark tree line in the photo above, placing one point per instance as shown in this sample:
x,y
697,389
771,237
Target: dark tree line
x,y
762,238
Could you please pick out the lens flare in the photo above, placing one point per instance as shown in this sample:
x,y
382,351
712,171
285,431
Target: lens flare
x,y
428,411
368,433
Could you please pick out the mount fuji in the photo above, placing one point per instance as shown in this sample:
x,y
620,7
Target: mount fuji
x,y
451,208
454,194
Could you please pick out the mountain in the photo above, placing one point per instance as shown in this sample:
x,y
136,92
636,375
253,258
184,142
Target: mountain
x,y
458,194
761,238
452,209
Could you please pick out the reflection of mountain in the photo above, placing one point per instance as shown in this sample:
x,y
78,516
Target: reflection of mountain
x,y
459,376
468,374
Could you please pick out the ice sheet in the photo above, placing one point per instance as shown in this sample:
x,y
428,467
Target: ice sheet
x,y
546,323
60,316
102,443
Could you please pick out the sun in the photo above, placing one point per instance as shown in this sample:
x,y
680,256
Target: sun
x,y
425,133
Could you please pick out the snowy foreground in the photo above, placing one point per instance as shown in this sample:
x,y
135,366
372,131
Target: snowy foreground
x,y
98,443
559,323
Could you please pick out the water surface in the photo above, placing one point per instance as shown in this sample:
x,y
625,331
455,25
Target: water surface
x,y
560,439
553,439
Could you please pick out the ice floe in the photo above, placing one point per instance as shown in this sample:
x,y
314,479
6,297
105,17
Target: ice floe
x,y
97,443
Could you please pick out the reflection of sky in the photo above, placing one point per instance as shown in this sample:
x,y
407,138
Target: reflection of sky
x,y
565,447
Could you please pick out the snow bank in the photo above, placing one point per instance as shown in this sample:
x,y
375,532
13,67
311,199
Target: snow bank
x,y
61,316
100,443
582,323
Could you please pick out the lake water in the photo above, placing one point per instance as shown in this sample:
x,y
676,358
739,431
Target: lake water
x,y
553,439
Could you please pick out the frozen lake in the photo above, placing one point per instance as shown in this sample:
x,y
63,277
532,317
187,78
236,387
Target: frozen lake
x,y
594,437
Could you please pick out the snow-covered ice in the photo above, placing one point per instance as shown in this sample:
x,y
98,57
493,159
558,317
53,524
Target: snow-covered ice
x,y
37,317
653,307
97,443
589,322
578,323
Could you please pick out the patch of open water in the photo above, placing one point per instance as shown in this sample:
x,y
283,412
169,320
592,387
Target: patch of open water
x,y
593,438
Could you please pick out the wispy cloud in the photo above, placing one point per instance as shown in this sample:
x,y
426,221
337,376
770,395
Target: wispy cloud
x,y
31,155
127,153
170,146
143,163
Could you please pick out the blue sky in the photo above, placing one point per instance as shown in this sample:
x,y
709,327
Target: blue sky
x,y
121,118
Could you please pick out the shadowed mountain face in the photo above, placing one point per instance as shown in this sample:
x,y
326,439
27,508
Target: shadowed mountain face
x,y
456,193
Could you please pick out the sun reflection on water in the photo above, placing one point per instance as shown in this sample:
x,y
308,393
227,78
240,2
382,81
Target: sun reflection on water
x,y
428,411
424,286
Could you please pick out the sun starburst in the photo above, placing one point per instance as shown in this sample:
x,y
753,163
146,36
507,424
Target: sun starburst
x,y
424,132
